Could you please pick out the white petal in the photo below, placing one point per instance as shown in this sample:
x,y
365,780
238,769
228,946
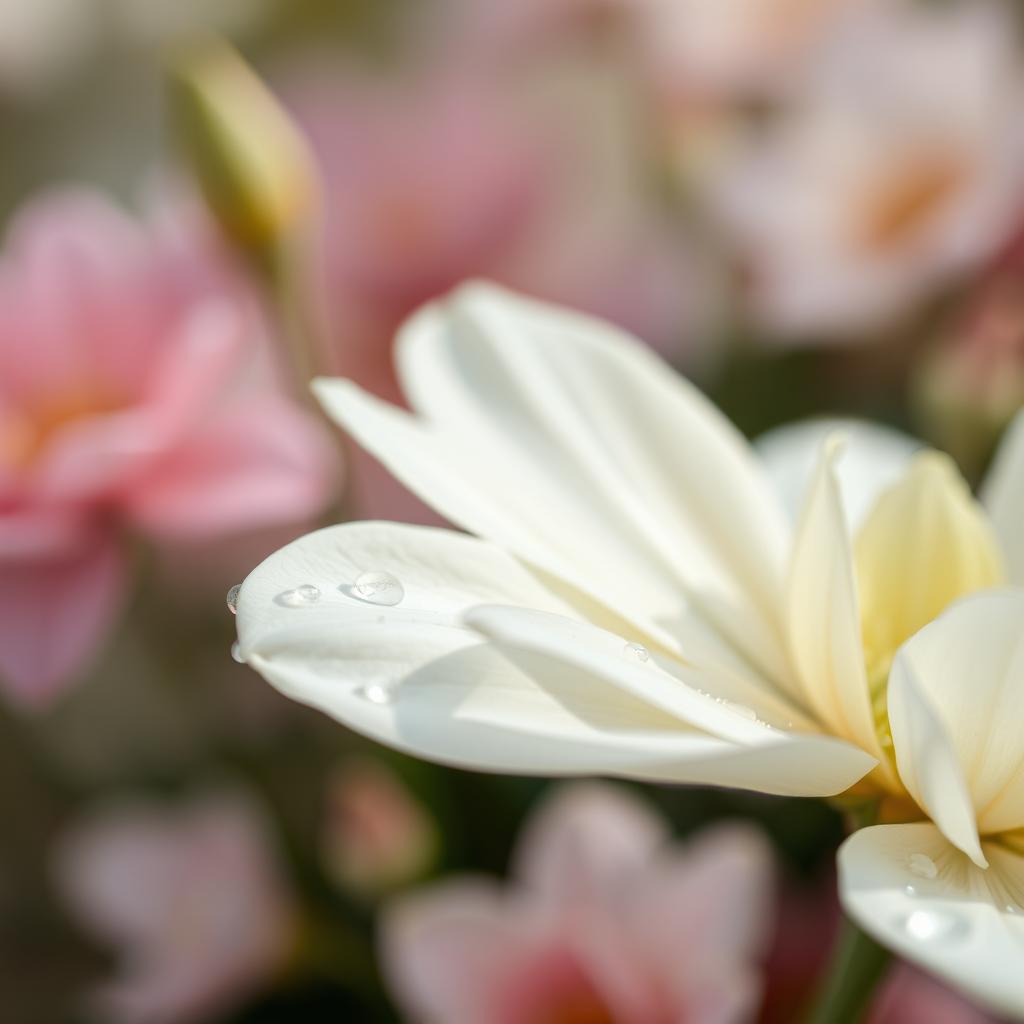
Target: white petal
x,y
1003,496
820,762
874,457
965,924
573,446
414,677
956,704
823,617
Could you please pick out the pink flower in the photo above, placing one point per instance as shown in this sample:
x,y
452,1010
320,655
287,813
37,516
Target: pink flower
x,y
900,167
136,394
191,898
607,921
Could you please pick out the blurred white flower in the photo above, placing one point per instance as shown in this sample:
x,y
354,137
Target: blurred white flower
x,y
900,165
193,900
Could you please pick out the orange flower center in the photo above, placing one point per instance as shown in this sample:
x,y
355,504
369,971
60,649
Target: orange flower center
x,y
902,201
24,434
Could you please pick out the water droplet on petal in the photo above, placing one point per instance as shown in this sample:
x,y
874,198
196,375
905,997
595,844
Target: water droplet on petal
x,y
922,865
637,651
379,588
232,598
236,653
740,709
935,926
910,890
301,597
376,693
1010,908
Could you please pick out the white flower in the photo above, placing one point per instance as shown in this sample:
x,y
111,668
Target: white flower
x,y
640,605
950,895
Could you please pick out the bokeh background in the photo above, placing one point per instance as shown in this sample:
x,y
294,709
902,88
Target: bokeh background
x,y
807,206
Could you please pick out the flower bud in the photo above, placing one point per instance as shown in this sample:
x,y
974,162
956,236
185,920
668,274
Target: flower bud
x,y
252,163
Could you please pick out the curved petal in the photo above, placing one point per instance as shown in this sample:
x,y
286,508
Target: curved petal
x,y
823,618
414,676
525,635
873,458
925,543
955,705
915,893
1003,496
569,443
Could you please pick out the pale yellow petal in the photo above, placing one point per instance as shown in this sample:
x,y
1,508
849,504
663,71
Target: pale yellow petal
x,y
925,543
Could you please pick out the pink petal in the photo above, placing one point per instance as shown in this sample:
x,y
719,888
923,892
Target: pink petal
x,y
54,613
102,453
446,952
257,464
584,839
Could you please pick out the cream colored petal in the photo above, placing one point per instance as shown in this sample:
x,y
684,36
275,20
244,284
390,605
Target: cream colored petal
x,y
916,894
526,636
956,698
412,675
571,444
925,543
823,620
927,759
1003,496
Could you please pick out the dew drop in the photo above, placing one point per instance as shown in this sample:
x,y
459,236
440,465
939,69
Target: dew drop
x,y
1010,908
740,709
910,890
375,693
637,651
922,865
934,926
232,598
236,653
379,588
301,597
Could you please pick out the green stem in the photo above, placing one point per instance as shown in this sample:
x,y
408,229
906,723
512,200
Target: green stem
x,y
858,964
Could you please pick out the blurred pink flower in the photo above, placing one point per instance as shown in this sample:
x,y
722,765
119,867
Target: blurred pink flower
x,y
900,166
136,393
376,836
608,921
192,899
